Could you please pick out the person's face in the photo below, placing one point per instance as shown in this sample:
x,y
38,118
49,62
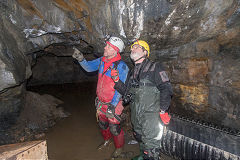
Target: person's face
x,y
109,52
137,52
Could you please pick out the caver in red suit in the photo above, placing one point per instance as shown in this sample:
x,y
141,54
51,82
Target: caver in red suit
x,y
108,102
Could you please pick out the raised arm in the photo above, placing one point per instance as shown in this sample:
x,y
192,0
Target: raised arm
x,y
89,66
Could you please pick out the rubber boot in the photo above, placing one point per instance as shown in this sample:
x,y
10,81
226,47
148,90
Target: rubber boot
x,y
119,143
117,152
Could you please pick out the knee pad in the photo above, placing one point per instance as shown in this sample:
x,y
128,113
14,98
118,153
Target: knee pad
x,y
103,125
115,129
137,136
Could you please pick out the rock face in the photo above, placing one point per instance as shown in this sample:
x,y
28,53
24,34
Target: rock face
x,y
198,41
28,27
39,113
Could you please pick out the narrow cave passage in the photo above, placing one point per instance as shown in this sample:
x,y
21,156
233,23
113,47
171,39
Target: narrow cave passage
x,y
77,136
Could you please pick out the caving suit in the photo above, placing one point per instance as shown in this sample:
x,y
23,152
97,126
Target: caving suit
x,y
106,94
151,92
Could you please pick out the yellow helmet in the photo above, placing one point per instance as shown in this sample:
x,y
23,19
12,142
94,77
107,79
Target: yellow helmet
x,y
143,44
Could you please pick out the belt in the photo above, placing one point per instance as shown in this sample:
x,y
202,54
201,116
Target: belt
x,y
99,104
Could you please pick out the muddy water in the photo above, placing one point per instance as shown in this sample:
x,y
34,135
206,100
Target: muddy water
x,y
77,137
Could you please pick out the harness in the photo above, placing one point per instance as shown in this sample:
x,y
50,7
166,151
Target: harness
x,y
99,103
116,63
135,82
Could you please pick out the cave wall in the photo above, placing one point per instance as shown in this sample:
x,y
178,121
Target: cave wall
x,y
198,41
28,28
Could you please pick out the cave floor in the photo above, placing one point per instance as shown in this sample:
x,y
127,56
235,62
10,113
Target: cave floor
x,y
77,136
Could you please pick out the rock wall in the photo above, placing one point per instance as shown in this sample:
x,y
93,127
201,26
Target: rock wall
x,y
198,41
27,28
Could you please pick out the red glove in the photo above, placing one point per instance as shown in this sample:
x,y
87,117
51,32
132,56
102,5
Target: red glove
x,y
115,75
165,118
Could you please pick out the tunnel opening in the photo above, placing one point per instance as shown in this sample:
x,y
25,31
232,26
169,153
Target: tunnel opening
x,y
55,65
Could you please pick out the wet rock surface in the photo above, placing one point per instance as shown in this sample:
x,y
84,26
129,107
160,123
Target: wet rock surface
x,y
39,113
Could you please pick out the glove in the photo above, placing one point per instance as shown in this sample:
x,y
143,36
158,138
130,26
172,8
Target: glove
x,y
115,75
110,111
77,55
165,117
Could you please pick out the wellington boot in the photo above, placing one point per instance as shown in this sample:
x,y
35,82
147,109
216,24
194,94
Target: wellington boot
x,y
117,152
104,145
140,157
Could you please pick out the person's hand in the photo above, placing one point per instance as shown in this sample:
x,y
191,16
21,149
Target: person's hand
x,y
165,117
115,75
77,54
110,111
